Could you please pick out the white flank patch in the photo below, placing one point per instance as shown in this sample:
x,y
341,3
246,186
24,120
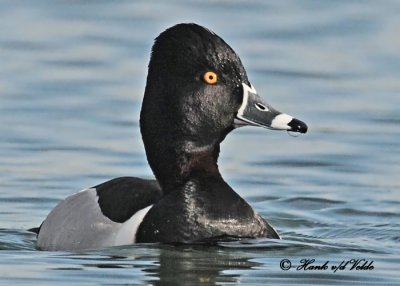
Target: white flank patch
x,y
126,234
281,121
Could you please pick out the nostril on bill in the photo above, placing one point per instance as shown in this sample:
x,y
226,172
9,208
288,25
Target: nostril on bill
x,y
261,107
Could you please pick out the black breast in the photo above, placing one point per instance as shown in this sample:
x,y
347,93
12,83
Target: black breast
x,y
201,210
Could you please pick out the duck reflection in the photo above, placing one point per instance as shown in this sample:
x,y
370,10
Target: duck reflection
x,y
194,265
174,265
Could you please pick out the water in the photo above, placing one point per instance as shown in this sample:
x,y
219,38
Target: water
x,y
72,76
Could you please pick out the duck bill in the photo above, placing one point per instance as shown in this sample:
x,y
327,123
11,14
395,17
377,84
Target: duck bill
x,y
255,112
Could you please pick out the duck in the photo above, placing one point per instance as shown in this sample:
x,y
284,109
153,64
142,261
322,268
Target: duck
x,y
197,92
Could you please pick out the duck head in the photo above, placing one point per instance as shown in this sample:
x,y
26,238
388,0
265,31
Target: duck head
x,y
197,91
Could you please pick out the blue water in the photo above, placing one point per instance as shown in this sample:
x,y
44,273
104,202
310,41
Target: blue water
x,y
72,75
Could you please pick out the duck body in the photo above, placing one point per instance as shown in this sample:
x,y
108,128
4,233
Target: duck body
x,y
204,209
105,215
197,92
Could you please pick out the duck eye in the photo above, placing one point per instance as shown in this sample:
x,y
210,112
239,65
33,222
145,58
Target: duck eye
x,y
210,77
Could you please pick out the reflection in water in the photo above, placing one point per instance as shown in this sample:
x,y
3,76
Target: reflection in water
x,y
252,261
195,265
170,265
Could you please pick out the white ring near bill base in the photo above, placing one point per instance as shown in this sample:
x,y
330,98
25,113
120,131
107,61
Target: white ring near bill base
x,y
246,90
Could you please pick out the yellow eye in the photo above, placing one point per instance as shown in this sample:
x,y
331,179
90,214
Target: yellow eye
x,y
210,77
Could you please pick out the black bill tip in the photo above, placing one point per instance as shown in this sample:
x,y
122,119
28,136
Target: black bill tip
x,y
297,126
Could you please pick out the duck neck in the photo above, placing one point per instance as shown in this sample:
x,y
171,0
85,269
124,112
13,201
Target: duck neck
x,y
174,165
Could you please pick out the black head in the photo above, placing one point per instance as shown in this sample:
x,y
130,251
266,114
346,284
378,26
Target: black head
x,y
177,95
197,91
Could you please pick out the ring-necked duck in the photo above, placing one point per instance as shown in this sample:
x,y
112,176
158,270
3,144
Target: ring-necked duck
x,y
197,91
